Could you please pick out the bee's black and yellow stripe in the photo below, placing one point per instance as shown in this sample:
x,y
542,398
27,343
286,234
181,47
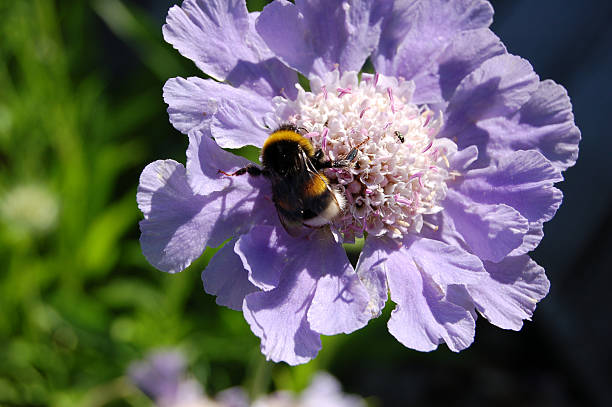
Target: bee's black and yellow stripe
x,y
285,135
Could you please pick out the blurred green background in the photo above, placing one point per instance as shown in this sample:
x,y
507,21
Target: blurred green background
x,y
81,114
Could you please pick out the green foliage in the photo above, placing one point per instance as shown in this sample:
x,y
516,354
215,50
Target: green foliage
x,y
77,126
81,114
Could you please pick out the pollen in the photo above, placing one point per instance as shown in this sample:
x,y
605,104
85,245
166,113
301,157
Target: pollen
x,y
400,172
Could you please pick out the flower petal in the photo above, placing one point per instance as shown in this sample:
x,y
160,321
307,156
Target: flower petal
x,y
313,36
544,123
490,230
220,37
325,391
466,52
172,233
510,292
235,117
423,318
160,375
317,292
179,224
238,207
190,105
226,278
211,33
498,88
372,272
204,160
531,240
462,159
419,275
263,256
444,263
418,31
522,179
340,301
267,78
278,317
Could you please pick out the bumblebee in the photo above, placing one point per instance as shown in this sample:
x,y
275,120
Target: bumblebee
x,y
301,192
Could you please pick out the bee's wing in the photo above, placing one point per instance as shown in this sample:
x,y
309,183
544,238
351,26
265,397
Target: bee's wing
x,y
289,205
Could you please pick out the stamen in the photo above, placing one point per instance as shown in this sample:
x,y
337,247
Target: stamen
x,y
418,175
398,198
446,161
431,226
343,91
390,93
324,139
363,112
403,223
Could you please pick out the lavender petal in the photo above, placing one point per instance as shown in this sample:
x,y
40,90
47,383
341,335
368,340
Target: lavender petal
x,y
466,52
521,179
490,230
545,123
204,160
220,37
325,33
226,278
510,293
417,32
423,317
234,117
497,89
317,289
173,234
179,224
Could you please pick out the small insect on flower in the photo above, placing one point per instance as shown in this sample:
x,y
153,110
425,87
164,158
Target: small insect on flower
x,y
301,193
399,136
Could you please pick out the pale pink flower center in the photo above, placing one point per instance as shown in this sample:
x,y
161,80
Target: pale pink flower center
x,y
401,170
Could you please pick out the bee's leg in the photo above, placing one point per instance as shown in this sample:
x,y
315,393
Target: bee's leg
x,y
320,164
350,157
347,161
251,169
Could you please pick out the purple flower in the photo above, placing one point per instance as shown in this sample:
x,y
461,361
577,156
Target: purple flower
x,y
162,378
459,147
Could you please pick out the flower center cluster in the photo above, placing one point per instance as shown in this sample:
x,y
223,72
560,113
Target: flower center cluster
x,y
401,169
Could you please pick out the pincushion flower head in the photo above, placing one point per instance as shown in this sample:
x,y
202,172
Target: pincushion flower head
x,y
458,147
